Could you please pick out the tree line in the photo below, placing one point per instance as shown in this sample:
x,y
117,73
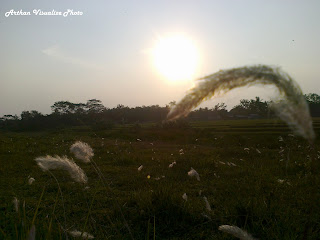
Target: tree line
x,y
94,113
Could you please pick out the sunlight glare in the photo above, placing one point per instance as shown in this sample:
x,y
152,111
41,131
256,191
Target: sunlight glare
x,y
176,58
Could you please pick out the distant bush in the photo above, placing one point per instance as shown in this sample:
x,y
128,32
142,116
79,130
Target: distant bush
x,y
177,124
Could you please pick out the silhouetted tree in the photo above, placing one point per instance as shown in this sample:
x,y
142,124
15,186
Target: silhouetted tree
x,y
313,100
10,117
95,106
26,115
63,107
94,114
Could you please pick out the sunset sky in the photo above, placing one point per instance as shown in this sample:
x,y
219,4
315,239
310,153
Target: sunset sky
x,y
120,51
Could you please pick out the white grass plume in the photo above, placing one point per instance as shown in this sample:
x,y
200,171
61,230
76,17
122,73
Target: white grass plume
x,y
208,207
172,164
236,232
82,151
48,162
15,202
32,233
194,173
30,180
185,197
77,234
293,108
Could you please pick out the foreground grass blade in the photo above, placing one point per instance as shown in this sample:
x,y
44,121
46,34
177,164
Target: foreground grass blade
x,y
291,108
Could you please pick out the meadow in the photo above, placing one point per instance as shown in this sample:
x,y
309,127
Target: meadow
x,y
255,174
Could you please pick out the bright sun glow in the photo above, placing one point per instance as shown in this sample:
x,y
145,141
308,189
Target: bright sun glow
x,y
176,58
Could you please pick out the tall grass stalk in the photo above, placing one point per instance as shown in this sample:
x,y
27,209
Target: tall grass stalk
x,y
292,108
104,182
148,229
38,205
62,200
89,211
154,227
32,233
3,233
51,217
24,216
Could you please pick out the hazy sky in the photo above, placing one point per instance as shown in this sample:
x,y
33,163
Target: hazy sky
x,y
106,52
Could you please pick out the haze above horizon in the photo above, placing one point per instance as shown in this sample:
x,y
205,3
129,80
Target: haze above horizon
x,y
108,52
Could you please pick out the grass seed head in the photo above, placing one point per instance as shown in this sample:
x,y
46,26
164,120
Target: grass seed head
x,y
82,151
208,207
15,202
30,180
77,234
185,197
236,232
32,233
292,108
48,163
194,173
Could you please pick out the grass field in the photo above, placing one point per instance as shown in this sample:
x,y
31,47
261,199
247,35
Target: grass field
x,y
271,190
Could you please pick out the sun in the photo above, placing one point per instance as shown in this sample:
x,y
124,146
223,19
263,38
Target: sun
x,y
176,58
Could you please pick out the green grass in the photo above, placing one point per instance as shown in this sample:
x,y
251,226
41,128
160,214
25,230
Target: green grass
x,y
247,195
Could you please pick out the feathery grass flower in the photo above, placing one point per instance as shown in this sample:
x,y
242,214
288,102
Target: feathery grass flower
x,y
140,168
77,234
194,173
185,197
32,233
30,180
15,202
208,207
172,164
293,108
82,151
48,162
236,232
231,164
206,216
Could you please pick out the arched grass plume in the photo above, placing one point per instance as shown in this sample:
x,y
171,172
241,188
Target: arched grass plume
x,y
293,108
48,163
236,232
82,151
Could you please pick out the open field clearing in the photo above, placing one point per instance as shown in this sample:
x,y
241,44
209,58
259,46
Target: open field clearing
x,y
253,174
